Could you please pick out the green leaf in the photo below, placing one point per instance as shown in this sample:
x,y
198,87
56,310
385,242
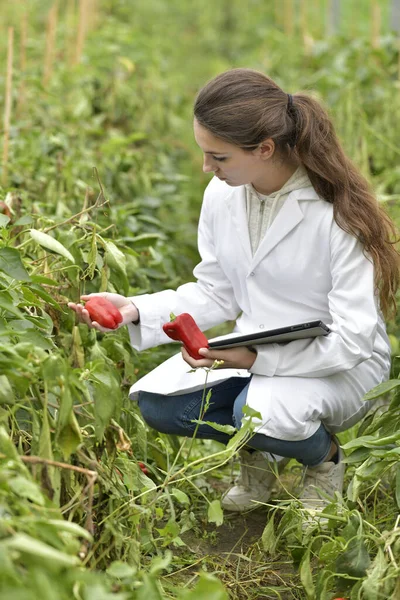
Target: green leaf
x,y
120,570
66,404
7,304
45,447
39,291
24,488
50,243
68,432
268,537
11,264
115,259
306,575
180,496
44,280
371,441
106,394
398,486
228,429
251,412
8,448
329,552
91,258
372,585
381,389
215,514
208,587
4,220
77,349
355,559
160,563
25,220
358,455
150,590
70,527
40,551
6,391
70,436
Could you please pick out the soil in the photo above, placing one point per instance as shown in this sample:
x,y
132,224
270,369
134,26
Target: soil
x,y
234,552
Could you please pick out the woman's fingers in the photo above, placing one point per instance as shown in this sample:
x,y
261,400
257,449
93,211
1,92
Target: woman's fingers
x,y
84,317
193,362
117,299
212,354
128,310
82,313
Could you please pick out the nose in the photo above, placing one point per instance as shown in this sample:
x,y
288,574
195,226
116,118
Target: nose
x,y
208,166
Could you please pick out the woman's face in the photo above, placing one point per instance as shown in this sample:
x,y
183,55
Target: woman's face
x,y
229,162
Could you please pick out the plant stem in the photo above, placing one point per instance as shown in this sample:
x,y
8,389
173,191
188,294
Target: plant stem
x,y
200,415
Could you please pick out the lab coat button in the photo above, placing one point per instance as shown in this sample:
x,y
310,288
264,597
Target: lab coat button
x,y
252,274
261,326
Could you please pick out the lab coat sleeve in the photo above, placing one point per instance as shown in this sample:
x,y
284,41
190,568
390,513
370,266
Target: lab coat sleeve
x,y
210,300
353,308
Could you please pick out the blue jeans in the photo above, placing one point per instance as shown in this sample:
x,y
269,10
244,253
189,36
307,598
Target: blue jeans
x,y
174,415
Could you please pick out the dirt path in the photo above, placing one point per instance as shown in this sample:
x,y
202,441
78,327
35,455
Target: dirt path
x,y
234,552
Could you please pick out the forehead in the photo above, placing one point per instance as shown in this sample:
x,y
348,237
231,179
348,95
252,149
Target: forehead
x,y
208,142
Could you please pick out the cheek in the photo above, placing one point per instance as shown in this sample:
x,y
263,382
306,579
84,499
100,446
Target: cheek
x,y
242,169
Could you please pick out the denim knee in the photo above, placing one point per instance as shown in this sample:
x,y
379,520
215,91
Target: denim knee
x,y
149,406
238,407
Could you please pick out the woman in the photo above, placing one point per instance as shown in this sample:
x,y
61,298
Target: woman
x,y
289,232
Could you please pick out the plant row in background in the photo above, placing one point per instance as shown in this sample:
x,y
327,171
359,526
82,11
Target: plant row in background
x,y
102,192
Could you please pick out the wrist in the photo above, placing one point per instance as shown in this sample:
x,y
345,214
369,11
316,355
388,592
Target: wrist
x,y
132,314
252,358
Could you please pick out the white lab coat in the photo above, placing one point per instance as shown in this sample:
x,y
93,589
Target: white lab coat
x,y
305,268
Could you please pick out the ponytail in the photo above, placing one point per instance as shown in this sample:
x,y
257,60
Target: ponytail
x,y
337,180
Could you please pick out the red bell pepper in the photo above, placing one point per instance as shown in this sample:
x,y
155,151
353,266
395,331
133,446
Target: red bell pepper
x,y
183,329
103,312
143,468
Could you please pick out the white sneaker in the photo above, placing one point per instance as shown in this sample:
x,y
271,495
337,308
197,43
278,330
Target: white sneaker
x,y
257,476
320,485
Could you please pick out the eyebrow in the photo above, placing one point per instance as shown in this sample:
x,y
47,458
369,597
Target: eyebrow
x,y
211,152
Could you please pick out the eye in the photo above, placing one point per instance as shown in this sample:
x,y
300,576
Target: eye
x,y
221,159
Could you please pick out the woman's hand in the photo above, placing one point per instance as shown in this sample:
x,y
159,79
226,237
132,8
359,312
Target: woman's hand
x,y
127,309
234,358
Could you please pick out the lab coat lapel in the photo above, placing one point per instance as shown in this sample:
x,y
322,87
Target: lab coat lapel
x,y
236,203
286,220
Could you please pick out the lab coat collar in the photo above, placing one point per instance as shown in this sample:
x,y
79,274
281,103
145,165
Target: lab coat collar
x,y
286,220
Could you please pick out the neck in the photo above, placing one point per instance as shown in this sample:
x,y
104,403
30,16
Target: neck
x,y
271,182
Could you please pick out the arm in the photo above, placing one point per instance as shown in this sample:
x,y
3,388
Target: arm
x,y
353,308
210,300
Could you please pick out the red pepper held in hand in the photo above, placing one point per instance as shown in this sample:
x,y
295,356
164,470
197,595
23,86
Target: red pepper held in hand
x,y
103,312
183,329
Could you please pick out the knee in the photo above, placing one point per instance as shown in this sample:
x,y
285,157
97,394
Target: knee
x,y
149,406
239,403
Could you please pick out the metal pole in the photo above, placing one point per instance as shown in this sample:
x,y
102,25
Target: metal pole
x,y
395,16
333,17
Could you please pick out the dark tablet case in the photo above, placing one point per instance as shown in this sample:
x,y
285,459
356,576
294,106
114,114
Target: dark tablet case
x,y
280,336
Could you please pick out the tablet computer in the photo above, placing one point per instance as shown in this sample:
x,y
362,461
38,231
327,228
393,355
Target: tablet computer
x,y
280,336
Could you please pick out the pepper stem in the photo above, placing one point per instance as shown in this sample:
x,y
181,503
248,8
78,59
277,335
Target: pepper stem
x,y
172,317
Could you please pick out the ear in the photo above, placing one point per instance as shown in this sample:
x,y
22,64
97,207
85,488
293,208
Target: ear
x,y
265,150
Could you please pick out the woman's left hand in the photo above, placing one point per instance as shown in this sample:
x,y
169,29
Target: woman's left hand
x,y
234,358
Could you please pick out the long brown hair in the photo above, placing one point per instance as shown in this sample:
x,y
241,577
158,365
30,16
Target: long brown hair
x,y
244,107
